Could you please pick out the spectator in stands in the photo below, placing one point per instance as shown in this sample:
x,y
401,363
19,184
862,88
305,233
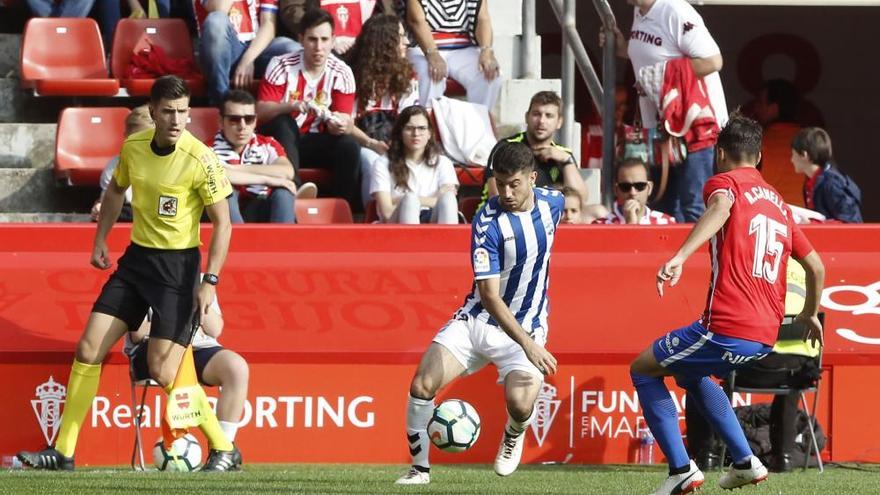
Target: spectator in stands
x,y
138,120
632,188
308,98
237,42
573,204
826,189
665,30
61,8
775,109
556,165
576,211
291,12
265,180
415,183
386,85
216,366
448,44
349,17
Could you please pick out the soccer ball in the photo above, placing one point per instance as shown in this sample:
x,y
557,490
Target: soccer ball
x,y
455,426
185,455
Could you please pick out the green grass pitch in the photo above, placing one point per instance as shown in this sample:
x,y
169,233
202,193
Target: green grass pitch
x,y
452,480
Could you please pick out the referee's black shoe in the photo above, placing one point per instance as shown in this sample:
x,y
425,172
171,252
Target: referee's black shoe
x,y
49,459
223,460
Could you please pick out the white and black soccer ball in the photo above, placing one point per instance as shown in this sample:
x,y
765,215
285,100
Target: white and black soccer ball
x,y
185,454
455,426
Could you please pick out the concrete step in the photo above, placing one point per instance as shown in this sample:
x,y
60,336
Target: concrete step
x,y
33,190
513,101
10,52
13,100
43,217
27,145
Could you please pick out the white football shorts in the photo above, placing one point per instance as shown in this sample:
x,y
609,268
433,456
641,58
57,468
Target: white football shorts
x,y
475,344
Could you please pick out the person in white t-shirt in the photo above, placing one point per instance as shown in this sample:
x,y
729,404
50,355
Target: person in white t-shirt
x,y
414,183
664,30
215,366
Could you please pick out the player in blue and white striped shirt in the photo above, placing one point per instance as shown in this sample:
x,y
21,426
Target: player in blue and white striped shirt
x,y
504,318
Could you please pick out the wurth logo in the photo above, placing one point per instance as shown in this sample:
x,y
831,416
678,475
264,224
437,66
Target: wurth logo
x,y
182,400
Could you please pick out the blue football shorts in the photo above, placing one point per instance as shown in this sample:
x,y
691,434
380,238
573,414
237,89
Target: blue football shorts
x,y
695,351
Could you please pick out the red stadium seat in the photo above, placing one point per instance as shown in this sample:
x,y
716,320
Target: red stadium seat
x,y
470,176
87,139
65,57
171,35
372,213
468,206
204,122
321,177
454,88
323,211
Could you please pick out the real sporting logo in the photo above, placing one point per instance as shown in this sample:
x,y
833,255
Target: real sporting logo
x,y
47,407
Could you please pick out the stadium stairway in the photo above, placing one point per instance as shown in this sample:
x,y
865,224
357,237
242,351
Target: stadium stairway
x,y
27,149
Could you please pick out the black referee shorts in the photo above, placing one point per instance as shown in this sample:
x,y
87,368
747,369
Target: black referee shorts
x,y
162,279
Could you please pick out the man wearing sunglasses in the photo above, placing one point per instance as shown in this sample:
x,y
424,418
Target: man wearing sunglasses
x,y
632,190
266,183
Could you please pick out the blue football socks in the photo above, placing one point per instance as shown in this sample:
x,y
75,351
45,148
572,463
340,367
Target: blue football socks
x,y
713,403
662,418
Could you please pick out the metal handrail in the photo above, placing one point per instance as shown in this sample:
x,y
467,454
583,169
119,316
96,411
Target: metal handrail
x,y
528,67
573,48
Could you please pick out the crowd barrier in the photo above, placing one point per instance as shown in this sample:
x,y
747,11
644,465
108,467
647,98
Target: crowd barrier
x,y
334,319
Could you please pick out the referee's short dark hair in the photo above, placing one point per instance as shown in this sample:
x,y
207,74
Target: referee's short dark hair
x,y
168,88
315,17
237,96
511,158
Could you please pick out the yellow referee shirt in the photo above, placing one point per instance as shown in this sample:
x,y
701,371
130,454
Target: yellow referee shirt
x,y
169,192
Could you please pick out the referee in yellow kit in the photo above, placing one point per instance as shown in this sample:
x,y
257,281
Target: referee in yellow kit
x,y
173,177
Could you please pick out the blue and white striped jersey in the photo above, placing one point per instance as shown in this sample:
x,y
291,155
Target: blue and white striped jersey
x,y
515,246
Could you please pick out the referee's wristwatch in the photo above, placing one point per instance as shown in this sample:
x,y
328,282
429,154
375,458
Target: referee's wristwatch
x,y
210,278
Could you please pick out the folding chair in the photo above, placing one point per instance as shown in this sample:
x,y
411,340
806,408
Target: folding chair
x,y
137,453
790,330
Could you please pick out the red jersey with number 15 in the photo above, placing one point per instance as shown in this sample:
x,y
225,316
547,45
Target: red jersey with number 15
x,y
749,257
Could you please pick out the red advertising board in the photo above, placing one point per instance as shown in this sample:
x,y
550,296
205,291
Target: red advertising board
x,y
334,319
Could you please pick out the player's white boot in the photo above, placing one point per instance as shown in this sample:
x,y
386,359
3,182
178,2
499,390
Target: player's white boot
x,y
509,453
687,482
735,478
414,477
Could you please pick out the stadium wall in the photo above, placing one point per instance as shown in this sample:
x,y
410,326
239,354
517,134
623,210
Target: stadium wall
x,y
333,320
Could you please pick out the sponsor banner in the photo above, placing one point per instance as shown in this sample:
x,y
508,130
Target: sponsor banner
x,y
352,290
353,413
334,326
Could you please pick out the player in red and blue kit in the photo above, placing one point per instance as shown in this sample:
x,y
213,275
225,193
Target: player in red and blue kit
x,y
751,233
